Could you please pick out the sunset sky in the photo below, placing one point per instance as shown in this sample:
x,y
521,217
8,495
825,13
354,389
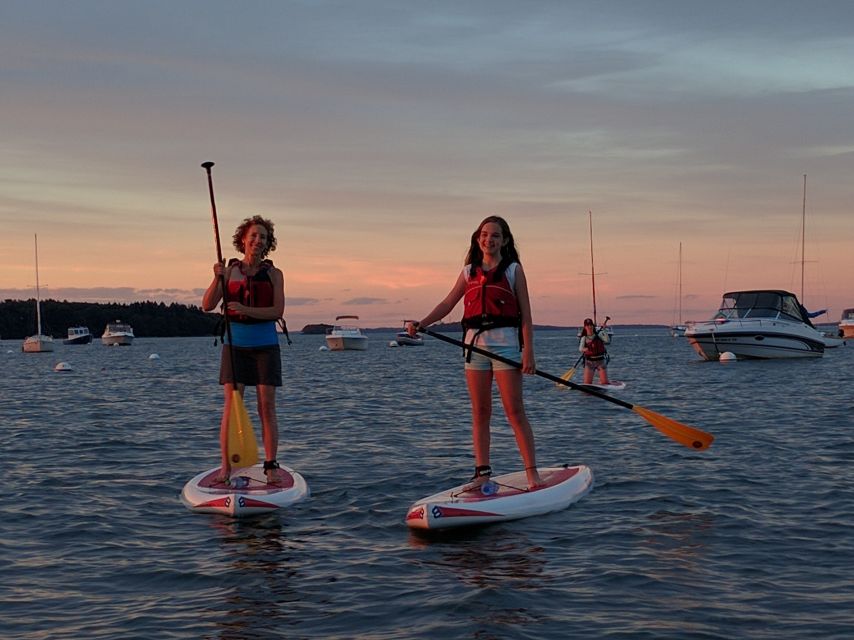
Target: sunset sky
x,y
377,134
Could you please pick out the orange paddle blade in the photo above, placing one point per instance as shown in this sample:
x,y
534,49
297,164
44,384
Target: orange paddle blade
x,y
683,434
242,446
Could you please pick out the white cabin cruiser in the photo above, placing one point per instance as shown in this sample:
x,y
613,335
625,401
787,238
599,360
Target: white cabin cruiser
x,y
346,337
766,323
117,334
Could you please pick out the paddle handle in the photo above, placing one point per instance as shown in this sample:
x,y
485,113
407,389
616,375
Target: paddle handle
x,y
222,283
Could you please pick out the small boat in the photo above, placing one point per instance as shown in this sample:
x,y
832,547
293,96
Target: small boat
x,y
38,343
117,333
846,324
78,335
766,323
405,340
346,337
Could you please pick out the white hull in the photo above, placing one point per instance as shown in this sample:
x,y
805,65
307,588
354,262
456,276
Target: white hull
x,y
347,343
203,495
757,338
117,334
38,344
832,341
458,508
406,340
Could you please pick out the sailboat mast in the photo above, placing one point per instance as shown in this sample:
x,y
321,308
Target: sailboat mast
x,y
38,296
592,270
680,284
803,237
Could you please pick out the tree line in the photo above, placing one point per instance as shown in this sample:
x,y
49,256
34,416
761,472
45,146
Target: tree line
x,y
148,319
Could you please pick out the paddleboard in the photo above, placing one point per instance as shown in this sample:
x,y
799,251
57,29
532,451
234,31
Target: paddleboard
x,y
465,506
247,494
613,385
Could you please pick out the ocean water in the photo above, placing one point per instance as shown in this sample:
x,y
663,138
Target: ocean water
x,y
753,538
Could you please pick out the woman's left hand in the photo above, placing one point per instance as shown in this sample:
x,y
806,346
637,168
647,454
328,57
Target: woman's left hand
x,y
529,364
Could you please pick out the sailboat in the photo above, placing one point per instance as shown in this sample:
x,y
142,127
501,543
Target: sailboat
x,y
678,330
830,339
38,343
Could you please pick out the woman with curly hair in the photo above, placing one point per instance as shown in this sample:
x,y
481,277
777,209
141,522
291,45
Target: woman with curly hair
x,y
254,302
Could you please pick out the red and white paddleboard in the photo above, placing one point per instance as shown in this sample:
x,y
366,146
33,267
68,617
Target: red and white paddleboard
x,y
512,500
247,494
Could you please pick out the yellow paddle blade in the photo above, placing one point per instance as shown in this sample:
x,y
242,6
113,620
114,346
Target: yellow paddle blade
x,y
242,446
683,434
566,376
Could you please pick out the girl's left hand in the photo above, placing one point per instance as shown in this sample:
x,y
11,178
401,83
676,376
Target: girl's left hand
x,y
529,364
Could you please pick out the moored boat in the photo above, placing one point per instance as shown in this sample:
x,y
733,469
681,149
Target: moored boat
x,y
38,343
405,340
846,324
78,335
117,333
765,323
346,337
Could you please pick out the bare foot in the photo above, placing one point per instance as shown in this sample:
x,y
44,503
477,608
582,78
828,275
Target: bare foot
x,y
534,479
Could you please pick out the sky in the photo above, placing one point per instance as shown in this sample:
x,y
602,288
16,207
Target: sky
x,y
377,134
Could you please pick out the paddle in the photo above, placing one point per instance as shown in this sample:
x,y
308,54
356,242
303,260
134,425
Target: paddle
x,y
571,372
242,447
683,434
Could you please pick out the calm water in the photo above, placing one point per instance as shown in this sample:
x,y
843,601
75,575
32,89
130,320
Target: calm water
x,y
752,538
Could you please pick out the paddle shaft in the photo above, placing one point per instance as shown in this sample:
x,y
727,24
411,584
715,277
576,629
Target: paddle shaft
x,y
518,365
222,283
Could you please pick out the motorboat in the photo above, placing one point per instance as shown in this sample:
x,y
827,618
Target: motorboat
x,y
405,340
765,323
346,336
38,343
78,335
117,334
846,324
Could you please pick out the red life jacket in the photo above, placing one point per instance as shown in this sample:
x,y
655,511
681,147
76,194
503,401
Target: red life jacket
x,y
595,348
251,291
490,301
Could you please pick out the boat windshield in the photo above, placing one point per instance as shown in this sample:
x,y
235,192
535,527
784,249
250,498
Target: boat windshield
x,y
760,304
848,314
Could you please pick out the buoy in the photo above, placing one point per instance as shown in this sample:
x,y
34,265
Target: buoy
x,y
154,356
728,356
393,343
62,366
324,348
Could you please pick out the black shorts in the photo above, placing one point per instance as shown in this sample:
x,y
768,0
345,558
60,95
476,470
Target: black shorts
x,y
254,365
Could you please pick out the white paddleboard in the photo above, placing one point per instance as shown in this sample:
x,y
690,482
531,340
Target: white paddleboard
x,y
247,494
613,385
458,507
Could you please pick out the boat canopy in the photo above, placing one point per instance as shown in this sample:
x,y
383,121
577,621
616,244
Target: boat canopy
x,y
762,304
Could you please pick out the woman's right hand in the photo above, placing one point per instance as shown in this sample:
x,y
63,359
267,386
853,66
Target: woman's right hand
x,y
412,327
